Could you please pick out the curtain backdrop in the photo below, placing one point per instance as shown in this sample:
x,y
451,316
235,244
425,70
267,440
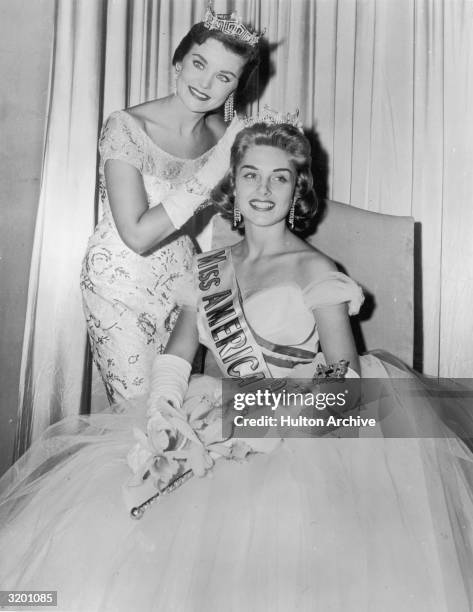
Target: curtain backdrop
x,y
386,86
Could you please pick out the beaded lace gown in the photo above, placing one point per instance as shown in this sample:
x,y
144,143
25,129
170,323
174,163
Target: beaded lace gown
x,y
345,525
129,299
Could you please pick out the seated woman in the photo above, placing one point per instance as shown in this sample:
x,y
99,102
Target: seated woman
x,y
311,524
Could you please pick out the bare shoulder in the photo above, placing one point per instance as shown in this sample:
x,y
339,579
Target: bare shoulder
x,y
314,265
148,112
216,125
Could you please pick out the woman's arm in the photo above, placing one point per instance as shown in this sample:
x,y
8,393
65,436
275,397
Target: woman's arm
x,y
171,371
139,226
337,343
335,335
142,228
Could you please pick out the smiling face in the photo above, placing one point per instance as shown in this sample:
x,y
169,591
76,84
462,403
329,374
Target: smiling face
x,y
207,75
265,181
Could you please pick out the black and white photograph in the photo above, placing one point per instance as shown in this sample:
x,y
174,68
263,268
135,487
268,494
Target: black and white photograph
x,y
236,287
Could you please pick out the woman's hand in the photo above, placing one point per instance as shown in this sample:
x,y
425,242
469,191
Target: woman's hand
x,y
219,161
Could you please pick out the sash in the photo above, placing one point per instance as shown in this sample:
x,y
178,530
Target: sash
x,y
236,351
284,356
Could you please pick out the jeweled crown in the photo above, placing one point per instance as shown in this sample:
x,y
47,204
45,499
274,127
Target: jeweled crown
x,y
232,25
273,117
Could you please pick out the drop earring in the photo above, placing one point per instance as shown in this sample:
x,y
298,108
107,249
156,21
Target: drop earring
x,y
291,214
236,216
228,108
176,76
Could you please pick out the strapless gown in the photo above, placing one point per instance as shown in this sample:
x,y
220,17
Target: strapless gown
x,y
317,524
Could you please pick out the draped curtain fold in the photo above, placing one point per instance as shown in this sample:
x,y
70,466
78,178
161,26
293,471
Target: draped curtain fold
x,y
54,348
384,84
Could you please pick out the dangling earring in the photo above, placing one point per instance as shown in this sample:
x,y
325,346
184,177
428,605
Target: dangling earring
x,y
176,76
228,108
291,214
236,216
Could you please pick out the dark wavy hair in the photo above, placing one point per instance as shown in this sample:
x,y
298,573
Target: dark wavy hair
x,y
198,34
281,136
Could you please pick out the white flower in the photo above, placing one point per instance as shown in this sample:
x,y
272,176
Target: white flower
x,y
158,434
199,459
139,457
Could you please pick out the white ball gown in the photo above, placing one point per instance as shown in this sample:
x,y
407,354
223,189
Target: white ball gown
x,y
352,525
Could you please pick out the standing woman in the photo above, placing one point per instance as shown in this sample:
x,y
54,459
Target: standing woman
x,y
158,162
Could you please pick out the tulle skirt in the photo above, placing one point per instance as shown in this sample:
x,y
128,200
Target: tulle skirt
x,y
367,524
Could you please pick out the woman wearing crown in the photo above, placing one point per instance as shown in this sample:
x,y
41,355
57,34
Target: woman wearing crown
x,y
158,161
318,523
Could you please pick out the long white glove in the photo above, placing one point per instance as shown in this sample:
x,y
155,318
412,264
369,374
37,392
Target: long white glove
x,y
181,205
169,380
219,161
184,201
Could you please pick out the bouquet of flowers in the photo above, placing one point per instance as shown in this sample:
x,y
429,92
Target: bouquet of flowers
x,y
181,441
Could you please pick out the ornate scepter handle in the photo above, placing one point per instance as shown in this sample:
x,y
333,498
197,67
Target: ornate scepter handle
x,y
138,511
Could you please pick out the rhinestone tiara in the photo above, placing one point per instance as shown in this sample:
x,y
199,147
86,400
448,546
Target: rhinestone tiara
x,y
273,117
230,24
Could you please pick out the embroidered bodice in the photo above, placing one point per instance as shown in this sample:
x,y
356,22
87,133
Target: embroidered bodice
x,y
124,139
